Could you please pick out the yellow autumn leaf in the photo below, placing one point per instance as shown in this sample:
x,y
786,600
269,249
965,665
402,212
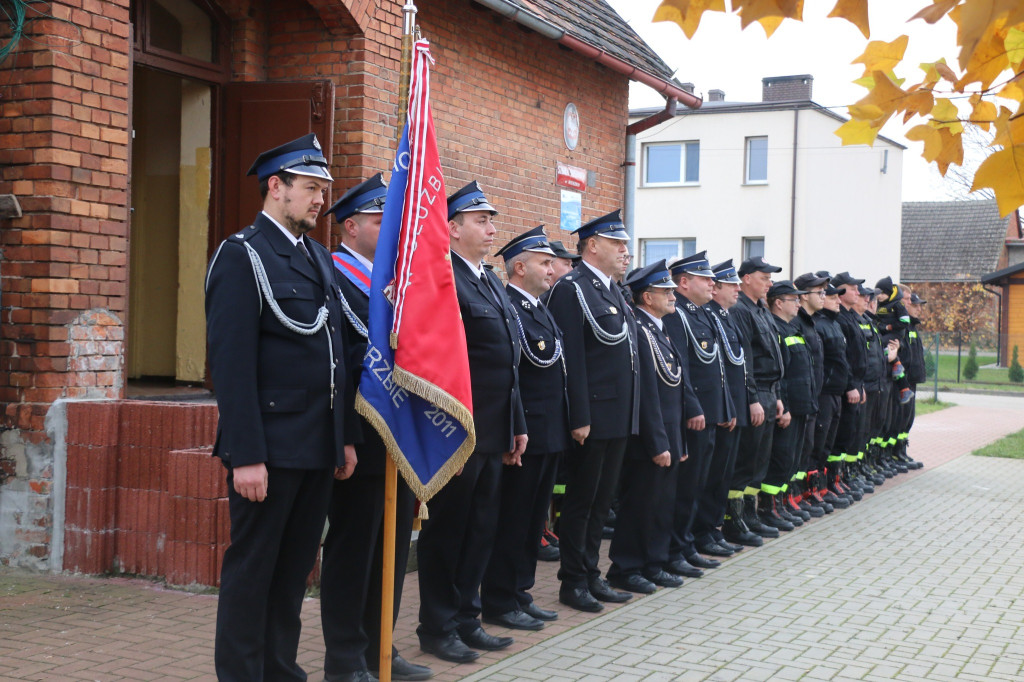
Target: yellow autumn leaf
x,y
945,115
756,10
1014,45
1003,170
976,18
868,81
687,13
854,11
931,138
987,62
917,103
951,151
881,102
1013,90
882,56
983,112
1002,124
857,132
943,68
935,11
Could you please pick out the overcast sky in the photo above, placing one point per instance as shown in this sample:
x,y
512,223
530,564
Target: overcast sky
x,y
723,56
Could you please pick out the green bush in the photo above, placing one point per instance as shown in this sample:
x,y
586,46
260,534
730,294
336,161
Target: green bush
x,y
929,364
970,370
1016,371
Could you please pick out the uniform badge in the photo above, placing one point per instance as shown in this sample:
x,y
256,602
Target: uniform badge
x,y
526,305
670,368
541,345
704,345
597,282
691,307
613,310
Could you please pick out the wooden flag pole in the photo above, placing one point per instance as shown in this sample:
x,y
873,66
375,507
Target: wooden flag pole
x,y
387,595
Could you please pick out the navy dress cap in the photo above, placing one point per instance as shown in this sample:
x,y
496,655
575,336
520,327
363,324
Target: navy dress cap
x,y
726,273
609,226
469,198
784,287
833,291
845,278
756,264
697,264
865,291
534,241
914,298
303,156
823,273
561,252
654,275
366,197
808,280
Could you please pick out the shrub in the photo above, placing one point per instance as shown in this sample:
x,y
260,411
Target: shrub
x,y
971,366
1016,371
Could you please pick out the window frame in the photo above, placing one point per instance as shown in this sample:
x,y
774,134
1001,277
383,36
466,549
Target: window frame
x,y
747,242
681,247
747,158
685,146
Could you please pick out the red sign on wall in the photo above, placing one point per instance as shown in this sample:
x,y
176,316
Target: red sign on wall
x,y
571,177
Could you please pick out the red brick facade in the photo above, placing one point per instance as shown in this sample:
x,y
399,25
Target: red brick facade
x,y
498,95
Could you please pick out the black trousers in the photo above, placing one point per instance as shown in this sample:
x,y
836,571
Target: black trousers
x,y
826,425
714,497
592,475
644,525
352,569
455,545
804,458
693,477
755,447
847,445
273,548
787,444
525,500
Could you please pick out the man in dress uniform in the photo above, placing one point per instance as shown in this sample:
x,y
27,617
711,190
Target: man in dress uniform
x,y
693,328
757,332
352,565
526,489
276,336
717,506
639,548
455,543
602,367
564,261
915,375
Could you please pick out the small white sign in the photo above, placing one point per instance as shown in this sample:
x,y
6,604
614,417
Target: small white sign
x,y
571,126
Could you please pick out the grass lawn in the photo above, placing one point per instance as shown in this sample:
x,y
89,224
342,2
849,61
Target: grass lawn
x,y
1011,446
929,405
988,378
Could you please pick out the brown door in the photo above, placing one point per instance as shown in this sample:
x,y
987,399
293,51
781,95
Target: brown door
x,y
261,116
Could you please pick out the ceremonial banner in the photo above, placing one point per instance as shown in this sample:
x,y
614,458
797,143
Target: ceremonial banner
x,y
415,386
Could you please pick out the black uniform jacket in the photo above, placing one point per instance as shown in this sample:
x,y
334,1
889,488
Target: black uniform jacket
x,y
837,367
856,347
735,375
799,397
754,323
603,379
273,385
372,450
809,330
492,339
916,373
543,388
876,368
708,380
662,384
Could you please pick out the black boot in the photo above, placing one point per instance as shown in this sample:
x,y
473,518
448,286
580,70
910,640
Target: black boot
x,y
769,513
798,498
783,510
833,493
842,481
734,529
907,459
816,490
753,522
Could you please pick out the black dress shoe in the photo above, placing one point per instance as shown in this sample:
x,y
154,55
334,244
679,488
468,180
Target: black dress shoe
x,y
634,582
355,676
537,612
735,549
714,549
602,591
684,568
663,579
517,620
449,648
579,598
702,561
548,553
402,669
478,639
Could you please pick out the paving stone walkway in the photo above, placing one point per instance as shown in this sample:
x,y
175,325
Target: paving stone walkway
x,y
921,581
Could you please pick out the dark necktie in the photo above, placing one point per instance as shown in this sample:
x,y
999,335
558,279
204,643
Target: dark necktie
x,y
305,252
487,285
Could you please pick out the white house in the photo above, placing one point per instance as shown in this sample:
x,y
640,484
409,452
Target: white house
x,y
768,178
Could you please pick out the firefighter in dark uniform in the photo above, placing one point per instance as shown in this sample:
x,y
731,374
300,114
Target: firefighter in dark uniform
x,y
276,336
915,375
692,327
846,444
640,547
526,489
718,506
455,544
830,400
876,378
352,564
756,330
602,366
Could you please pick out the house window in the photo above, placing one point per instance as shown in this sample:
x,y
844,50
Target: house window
x,y
677,163
757,160
753,247
653,250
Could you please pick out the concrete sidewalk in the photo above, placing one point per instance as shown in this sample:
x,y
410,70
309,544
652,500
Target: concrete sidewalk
x,y
920,581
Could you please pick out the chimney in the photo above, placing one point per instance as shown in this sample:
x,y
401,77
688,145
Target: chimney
x,y
688,87
716,95
787,88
